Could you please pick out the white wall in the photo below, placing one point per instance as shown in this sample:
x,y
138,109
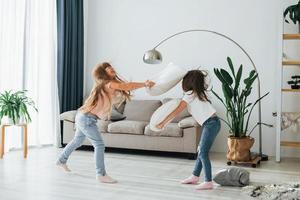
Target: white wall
x,y
121,31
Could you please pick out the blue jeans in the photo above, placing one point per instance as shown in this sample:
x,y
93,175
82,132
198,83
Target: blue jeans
x,y
86,126
210,130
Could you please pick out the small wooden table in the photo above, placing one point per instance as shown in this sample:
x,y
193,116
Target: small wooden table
x,y
24,126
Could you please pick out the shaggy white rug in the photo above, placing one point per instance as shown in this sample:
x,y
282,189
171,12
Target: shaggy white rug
x,y
289,191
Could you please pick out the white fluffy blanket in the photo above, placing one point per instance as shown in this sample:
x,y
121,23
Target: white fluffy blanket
x,y
289,191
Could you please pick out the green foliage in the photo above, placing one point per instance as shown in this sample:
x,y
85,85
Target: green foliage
x,y
294,13
238,110
15,105
295,81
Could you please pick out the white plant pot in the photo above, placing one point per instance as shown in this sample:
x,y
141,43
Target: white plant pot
x,y
8,121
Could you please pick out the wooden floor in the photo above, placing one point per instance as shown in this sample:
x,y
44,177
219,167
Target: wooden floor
x,y
141,177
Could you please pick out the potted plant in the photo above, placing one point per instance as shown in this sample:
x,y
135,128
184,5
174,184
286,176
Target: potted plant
x,y
14,107
294,13
295,82
238,110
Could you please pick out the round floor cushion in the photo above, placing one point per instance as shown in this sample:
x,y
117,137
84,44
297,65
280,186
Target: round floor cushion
x,y
232,176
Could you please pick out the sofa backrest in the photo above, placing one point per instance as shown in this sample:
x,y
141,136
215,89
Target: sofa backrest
x,y
141,110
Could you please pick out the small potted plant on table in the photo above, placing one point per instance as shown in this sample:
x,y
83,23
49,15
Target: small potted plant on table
x,y
14,107
295,82
238,110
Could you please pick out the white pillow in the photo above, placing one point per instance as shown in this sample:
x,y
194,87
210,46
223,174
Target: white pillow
x,y
187,122
166,79
162,112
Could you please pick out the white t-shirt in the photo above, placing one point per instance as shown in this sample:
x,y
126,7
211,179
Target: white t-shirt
x,y
200,110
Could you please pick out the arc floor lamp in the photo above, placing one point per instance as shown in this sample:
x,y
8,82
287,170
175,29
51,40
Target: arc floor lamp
x,y
154,57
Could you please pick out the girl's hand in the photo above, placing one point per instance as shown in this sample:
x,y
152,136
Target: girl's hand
x,y
149,84
160,125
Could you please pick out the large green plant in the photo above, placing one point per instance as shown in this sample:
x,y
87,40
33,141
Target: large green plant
x,y
15,106
294,13
236,94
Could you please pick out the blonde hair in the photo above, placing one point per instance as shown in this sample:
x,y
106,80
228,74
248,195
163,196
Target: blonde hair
x,y
101,78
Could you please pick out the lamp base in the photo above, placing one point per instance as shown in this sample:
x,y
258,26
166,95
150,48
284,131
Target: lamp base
x,y
264,157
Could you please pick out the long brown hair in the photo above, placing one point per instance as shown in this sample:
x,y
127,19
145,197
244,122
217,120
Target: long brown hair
x,y
194,81
101,78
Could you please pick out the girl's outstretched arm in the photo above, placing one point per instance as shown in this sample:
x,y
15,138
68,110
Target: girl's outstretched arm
x,y
182,105
130,85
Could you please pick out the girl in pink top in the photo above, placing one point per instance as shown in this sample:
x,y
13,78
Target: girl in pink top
x,y
108,90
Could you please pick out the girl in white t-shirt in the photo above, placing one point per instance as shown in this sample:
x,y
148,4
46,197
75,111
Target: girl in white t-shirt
x,y
199,106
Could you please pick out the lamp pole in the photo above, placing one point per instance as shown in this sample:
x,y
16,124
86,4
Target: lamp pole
x,y
153,54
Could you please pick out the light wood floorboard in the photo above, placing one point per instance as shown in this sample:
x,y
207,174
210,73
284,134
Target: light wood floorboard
x,y
141,177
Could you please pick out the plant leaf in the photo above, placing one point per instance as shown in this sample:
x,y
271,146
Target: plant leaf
x,y
227,92
219,76
226,76
229,61
247,123
238,78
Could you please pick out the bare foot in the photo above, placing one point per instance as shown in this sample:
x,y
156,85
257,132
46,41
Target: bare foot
x,y
64,167
106,179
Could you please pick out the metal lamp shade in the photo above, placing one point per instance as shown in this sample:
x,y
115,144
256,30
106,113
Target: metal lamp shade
x,y
152,57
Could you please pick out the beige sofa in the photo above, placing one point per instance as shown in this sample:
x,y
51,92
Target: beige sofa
x,y
181,135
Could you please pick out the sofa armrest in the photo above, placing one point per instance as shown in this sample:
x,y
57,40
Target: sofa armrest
x,y
68,116
188,122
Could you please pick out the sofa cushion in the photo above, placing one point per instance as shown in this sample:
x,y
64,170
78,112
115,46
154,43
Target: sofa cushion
x,y
116,115
171,130
103,125
128,127
141,110
183,114
120,108
187,122
68,116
